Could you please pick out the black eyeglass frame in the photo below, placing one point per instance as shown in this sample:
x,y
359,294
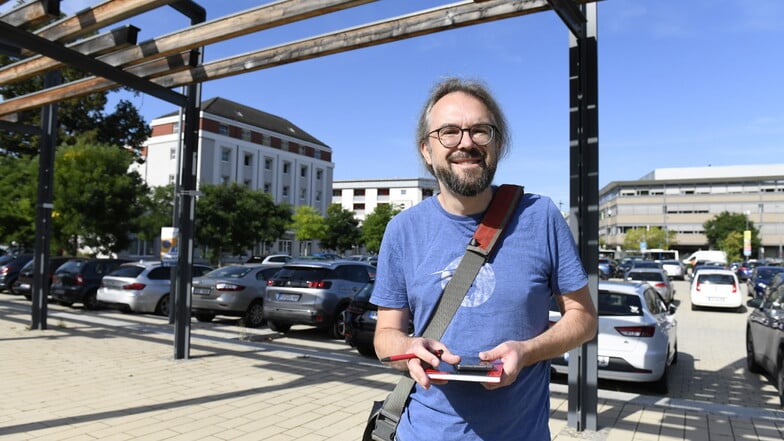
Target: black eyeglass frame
x,y
470,130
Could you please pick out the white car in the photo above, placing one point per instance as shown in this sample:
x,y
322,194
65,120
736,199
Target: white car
x,y
716,288
638,335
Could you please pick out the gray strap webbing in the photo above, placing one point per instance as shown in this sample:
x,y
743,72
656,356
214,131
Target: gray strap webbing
x,y
503,204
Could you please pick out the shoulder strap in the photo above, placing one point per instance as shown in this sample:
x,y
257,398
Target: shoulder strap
x,y
479,250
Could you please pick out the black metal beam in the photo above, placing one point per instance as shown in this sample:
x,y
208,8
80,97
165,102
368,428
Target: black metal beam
x,y
19,128
571,15
86,63
190,9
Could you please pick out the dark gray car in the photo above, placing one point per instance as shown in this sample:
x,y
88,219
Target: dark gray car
x,y
314,293
765,337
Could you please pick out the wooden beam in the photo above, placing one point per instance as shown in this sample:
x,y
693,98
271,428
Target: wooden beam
x,y
86,86
224,28
32,14
119,38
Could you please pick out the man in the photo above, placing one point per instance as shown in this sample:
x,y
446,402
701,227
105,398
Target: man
x,y
462,134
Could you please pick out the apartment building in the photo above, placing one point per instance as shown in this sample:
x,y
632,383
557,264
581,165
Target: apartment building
x,y
683,199
363,196
237,143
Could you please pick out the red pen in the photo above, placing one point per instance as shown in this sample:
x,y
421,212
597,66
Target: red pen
x,y
438,354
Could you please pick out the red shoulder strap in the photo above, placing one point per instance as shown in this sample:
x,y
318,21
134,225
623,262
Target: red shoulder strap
x,y
504,203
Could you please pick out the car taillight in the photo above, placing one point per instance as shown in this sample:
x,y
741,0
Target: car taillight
x,y
698,286
134,286
636,331
734,288
228,287
320,284
4,270
660,285
80,280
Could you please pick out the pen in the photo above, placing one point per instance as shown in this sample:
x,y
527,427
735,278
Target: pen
x,y
399,357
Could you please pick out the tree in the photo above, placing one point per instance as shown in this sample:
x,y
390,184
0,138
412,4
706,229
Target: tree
x,y
732,245
158,211
654,237
97,202
342,231
720,226
308,224
232,218
374,226
18,178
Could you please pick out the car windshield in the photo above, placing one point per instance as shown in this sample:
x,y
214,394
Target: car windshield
x,y
616,303
646,276
229,272
72,266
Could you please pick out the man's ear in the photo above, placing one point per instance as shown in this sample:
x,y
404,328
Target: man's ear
x,y
424,150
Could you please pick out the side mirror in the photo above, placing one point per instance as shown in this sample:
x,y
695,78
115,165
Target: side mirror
x,y
671,309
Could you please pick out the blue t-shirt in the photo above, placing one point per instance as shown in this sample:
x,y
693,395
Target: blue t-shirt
x,y
509,300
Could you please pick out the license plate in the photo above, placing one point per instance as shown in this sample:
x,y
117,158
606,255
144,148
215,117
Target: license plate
x,y
715,299
287,297
201,291
603,361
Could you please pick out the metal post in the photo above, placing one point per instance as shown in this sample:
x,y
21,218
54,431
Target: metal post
x,y
584,201
43,217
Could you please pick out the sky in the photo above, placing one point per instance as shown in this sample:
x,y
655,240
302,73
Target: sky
x,y
681,84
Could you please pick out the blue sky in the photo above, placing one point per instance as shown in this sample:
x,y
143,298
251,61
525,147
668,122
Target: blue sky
x,y
681,84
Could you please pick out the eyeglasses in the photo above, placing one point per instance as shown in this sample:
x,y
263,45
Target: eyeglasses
x,y
450,136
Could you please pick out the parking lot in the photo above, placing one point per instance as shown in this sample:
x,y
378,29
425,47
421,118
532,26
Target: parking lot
x,y
108,375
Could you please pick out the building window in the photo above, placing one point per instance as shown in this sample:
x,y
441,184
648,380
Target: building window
x,y
246,134
319,174
171,179
301,149
224,180
286,167
225,155
248,183
172,154
383,192
359,192
303,194
285,191
223,129
336,192
267,187
403,191
267,164
318,196
248,160
317,154
303,171
427,192
358,207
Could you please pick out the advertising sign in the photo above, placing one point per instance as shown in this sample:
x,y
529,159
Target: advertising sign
x,y
169,248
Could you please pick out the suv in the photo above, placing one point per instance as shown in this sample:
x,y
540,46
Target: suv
x,y
9,270
141,286
234,290
77,280
314,293
765,337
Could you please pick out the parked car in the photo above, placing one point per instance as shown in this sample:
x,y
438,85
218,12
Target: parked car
x,y
765,337
637,336
716,288
360,319
607,268
674,269
760,278
314,293
234,290
371,259
657,278
141,286
10,265
703,265
24,283
77,280
272,259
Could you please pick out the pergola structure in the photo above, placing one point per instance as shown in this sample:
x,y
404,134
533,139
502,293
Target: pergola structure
x,y
157,66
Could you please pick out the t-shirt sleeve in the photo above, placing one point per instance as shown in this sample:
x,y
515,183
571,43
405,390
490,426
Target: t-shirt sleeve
x,y
390,286
569,273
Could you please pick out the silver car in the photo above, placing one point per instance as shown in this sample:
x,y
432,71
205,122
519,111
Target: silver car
x,y
313,292
140,286
233,290
655,277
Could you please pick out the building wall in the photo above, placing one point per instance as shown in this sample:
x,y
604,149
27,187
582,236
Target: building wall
x,y
683,202
363,196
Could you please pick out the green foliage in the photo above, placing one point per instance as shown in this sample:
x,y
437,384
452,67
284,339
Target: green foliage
x,y
654,237
232,218
18,178
97,202
374,226
158,212
342,231
732,244
720,226
308,224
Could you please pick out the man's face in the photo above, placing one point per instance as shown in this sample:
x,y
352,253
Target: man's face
x,y
466,169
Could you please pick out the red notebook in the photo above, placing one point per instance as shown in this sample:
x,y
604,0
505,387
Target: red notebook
x,y
491,376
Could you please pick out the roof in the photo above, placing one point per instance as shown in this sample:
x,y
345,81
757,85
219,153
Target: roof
x,y
248,115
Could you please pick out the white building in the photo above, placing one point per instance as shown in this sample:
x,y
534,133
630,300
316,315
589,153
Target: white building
x,y
237,143
683,199
363,196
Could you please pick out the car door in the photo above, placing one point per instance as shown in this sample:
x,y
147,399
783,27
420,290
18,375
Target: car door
x,y
771,327
665,321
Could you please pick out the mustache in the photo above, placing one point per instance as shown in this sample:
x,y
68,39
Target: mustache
x,y
467,154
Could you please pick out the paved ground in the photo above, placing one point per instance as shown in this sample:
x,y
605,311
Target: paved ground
x,y
106,375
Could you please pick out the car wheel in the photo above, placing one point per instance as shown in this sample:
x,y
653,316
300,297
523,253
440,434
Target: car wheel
x,y
254,316
278,326
205,317
162,308
366,349
90,301
338,328
751,362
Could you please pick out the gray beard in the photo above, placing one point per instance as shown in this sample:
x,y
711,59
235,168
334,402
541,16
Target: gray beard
x,y
469,186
